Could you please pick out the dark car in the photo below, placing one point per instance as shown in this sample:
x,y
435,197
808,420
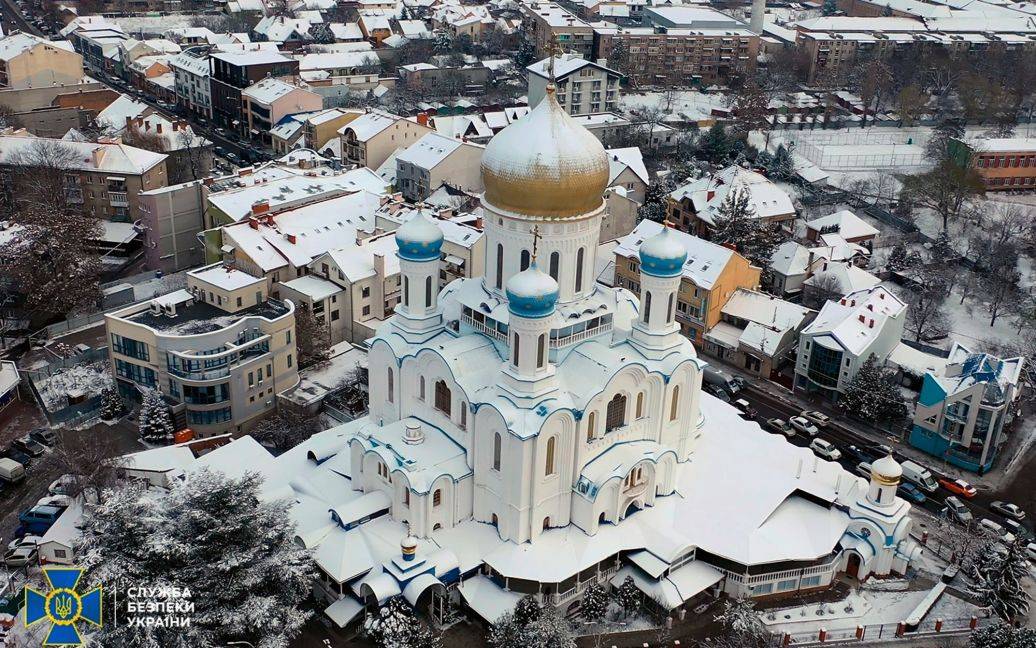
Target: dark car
x,y
14,453
857,454
911,492
45,436
30,447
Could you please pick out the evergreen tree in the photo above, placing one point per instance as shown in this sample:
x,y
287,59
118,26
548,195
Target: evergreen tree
x,y
527,610
901,258
111,404
628,596
526,52
829,8
619,56
156,425
531,626
735,224
782,166
741,622
656,199
887,11
214,536
595,603
1002,635
715,145
998,573
443,41
873,394
394,625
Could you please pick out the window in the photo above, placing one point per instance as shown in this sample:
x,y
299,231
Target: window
x,y
443,397
131,348
428,292
463,415
366,310
497,443
669,310
674,404
616,413
647,306
208,417
289,340
514,359
289,359
640,404
499,265
366,292
591,425
525,259
437,497
763,588
60,553
809,581
406,497
239,302
335,315
541,350
136,373
406,291
390,379
555,263
383,470
551,443
785,585
579,269
420,388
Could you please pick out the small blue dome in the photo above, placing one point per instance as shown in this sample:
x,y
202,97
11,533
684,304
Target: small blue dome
x,y
419,239
531,293
662,255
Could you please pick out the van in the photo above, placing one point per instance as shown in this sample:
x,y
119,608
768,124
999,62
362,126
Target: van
x,y
729,383
919,476
11,470
39,519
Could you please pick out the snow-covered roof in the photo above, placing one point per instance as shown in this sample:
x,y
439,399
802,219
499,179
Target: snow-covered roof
x,y
267,91
9,377
858,318
915,361
114,114
1003,144
846,277
312,286
21,42
430,150
196,65
705,261
90,156
346,31
965,368
370,124
159,460
620,159
565,65
225,277
251,56
845,223
707,194
337,60
755,306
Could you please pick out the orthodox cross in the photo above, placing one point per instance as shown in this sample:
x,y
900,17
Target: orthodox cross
x,y
553,50
535,241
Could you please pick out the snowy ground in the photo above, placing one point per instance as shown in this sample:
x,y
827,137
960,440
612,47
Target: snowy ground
x,y
85,381
686,105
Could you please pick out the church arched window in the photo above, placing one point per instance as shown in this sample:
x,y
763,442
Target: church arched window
x,y
640,404
516,350
443,397
555,265
406,291
420,389
616,415
579,268
551,444
541,350
499,265
497,448
669,310
647,306
390,380
525,259
591,425
674,405
428,292
463,415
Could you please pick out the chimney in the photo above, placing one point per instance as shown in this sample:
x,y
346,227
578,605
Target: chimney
x,y
478,223
863,320
379,265
291,238
710,194
97,155
422,118
253,223
129,121
872,323
260,207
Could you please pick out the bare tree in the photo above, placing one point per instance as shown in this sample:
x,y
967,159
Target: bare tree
x,y
749,106
285,429
946,189
40,172
926,319
93,460
820,289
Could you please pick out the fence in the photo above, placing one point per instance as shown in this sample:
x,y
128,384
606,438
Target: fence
x,y
884,632
70,414
861,149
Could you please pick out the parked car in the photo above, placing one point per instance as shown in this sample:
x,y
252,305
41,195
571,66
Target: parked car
x,y
956,511
39,519
1030,549
911,492
818,418
855,453
1016,528
30,447
62,485
958,487
825,449
15,453
746,409
58,501
717,391
996,529
780,426
863,469
879,450
1008,510
919,476
804,425
31,540
713,376
21,556
45,436
11,470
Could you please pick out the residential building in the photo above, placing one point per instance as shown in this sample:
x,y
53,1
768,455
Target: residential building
x,y
620,215
467,79
846,224
189,155
711,274
694,206
843,336
757,332
1004,164
219,350
583,86
550,22
232,71
370,140
792,264
965,408
172,218
435,160
191,82
626,169
834,280
320,128
266,102
28,61
107,176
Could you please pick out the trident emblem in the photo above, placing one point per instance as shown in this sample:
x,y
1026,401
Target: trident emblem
x,y
63,606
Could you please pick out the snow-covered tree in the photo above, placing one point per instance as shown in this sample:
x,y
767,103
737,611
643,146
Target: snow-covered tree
x,y
156,424
1002,635
782,166
873,394
829,8
312,342
715,145
619,56
926,318
526,52
111,404
655,199
214,536
595,603
998,572
443,41
741,622
628,596
901,258
285,429
735,224
394,625
531,625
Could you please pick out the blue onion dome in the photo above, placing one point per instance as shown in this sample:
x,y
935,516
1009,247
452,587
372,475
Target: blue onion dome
x,y
419,239
531,293
663,255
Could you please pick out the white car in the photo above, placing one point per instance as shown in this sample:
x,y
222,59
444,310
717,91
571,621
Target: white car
x,y
997,530
863,469
60,501
1008,509
818,418
825,449
61,485
20,556
803,425
29,540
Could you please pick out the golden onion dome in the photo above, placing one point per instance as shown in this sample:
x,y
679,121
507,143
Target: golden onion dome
x,y
887,471
545,164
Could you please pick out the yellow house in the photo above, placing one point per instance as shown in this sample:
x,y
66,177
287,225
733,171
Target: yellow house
x,y
711,275
27,61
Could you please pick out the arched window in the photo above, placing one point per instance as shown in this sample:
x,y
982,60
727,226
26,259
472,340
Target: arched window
x,y
514,358
443,397
616,415
647,306
674,405
390,383
495,521
499,265
406,291
579,269
437,497
428,291
420,389
498,443
640,404
546,523
555,264
525,259
463,415
591,425
551,442
541,350
669,310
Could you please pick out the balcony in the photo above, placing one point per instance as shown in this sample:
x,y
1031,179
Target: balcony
x,y
118,198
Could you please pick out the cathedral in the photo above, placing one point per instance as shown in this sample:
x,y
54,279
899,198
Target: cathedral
x,y
533,431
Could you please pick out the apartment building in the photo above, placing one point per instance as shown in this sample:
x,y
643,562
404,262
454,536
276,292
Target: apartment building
x,y
191,83
107,178
172,218
694,206
219,350
1004,164
232,72
28,61
550,21
371,139
711,275
433,160
266,102
583,86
